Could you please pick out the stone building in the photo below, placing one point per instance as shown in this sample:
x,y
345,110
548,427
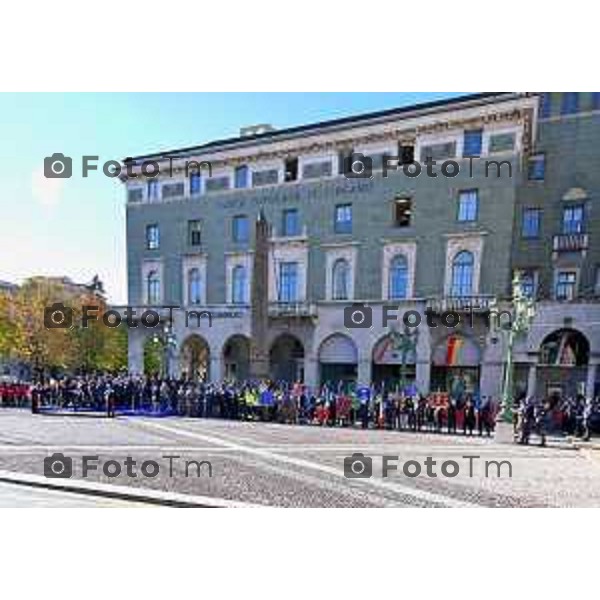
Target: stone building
x,y
346,245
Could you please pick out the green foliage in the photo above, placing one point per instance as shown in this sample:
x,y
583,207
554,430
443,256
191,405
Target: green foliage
x,y
24,335
153,358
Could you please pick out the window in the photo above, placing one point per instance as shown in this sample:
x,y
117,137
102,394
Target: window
x,y
152,237
545,105
566,282
238,285
314,170
266,177
217,184
291,169
528,283
288,282
398,284
291,222
462,274
530,227
467,205
570,103
195,184
194,286
341,280
573,219
343,218
135,195
597,282
342,159
402,212
153,288
173,190
240,229
195,233
537,167
438,151
407,154
502,142
153,190
472,142
595,100
241,177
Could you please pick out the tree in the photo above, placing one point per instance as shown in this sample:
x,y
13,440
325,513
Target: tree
x,y
27,331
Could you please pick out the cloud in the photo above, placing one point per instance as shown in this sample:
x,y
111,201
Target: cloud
x,y
47,192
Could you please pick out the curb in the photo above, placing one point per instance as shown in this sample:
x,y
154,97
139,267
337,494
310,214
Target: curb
x,y
119,492
587,445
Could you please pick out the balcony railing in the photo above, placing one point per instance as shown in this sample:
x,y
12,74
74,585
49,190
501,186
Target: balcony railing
x,y
292,309
570,242
461,303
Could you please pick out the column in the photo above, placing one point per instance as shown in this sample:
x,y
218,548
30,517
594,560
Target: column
x,y
531,381
364,371
591,380
311,372
135,351
423,360
423,379
216,369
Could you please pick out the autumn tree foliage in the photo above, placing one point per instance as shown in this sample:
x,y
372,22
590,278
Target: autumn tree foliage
x,y
26,333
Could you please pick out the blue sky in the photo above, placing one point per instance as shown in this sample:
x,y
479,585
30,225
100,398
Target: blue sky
x,y
76,227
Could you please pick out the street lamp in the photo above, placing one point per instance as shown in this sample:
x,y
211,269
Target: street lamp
x,y
406,342
522,314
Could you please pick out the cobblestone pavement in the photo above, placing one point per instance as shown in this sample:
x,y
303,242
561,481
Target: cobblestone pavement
x,y
282,465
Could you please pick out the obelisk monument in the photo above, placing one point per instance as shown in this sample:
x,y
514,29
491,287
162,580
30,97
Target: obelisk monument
x,y
259,315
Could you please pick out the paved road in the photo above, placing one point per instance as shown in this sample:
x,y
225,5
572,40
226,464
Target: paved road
x,y
281,465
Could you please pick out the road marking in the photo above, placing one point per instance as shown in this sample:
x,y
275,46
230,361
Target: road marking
x,y
300,462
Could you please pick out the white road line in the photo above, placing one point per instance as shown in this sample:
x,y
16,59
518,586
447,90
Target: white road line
x,y
299,462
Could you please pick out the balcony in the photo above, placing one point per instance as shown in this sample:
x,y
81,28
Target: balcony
x,y
292,309
570,242
461,303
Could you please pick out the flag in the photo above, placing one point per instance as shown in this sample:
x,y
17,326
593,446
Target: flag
x,y
453,349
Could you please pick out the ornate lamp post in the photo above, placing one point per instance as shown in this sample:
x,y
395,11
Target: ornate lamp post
x,y
522,314
168,341
406,342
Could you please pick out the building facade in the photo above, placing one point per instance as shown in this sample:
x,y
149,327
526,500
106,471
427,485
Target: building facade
x,y
352,255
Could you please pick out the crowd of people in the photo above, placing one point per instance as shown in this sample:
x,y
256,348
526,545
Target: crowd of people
x,y
576,416
331,405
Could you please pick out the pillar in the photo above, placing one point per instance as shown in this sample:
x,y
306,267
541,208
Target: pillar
x,y
532,381
364,371
311,372
216,368
590,383
135,351
423,359
423,379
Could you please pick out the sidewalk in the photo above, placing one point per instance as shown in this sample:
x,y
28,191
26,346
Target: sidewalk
x,y
86,489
